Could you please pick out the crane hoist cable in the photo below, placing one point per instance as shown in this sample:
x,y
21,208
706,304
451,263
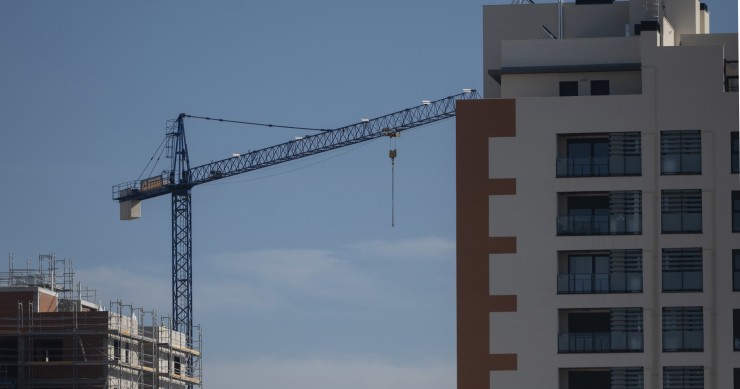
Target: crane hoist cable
x,y
392,153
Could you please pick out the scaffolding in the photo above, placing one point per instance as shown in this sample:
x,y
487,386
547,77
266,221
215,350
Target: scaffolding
x,y
50,337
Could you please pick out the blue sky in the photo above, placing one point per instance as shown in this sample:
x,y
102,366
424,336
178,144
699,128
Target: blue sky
x,y
299,277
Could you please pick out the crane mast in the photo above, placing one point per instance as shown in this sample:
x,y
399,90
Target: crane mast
x,y
181,178
182,235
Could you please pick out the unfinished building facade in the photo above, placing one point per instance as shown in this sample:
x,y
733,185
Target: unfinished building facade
x,y
54,335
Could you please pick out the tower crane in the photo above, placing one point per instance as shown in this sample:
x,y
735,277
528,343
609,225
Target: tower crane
x,y
181,178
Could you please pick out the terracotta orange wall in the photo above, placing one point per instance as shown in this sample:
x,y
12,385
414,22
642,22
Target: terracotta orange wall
x,y
477,121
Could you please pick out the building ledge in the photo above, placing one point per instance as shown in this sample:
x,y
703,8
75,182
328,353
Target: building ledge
x,y
590,68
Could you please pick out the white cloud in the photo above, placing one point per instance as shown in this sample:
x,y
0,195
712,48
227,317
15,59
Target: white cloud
x,y
141,289
270,278
273,279
424,248
282,278
328,373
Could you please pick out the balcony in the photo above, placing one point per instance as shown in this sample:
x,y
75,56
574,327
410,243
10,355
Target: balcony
x,y
582,167
602,378
599,155
600,271
599,213
600,342
600,330
598,166
600,283
599,225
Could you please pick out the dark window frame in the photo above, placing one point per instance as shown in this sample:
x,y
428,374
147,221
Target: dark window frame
x,y
683,377
600,88
567,88
735,211
682,202
683,321
736,270
116,350
682,261
734,153
611,271
607,154
680,147
589,379
610,213
736,330
613,330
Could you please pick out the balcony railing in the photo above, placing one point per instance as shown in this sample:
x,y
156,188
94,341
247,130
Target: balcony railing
x,y
616,282
600,225
600,342
598,166
582,167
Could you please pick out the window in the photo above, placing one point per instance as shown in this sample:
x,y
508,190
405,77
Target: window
x,y
586,214
736,270
735,211
116,350
178,365
615,271
599,155
680,152
627,378
588,273
568,88
683,329
48,350
602,378
601,331
599,87
731,84
736,329
682,270
734,146
8,350
736,378
588,157
681,211
600,213
683,377
589,379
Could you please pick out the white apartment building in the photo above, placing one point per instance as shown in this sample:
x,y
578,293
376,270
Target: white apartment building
x,y
598,200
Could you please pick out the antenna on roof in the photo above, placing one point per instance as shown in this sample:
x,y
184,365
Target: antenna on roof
x,y
560,19
522,2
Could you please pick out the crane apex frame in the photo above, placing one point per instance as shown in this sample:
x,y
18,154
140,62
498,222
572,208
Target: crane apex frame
x,y
181,178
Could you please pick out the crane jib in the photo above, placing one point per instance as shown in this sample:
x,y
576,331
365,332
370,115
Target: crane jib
x,y
428,112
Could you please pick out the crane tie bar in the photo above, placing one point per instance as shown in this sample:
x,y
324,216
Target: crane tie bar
x,y
257,124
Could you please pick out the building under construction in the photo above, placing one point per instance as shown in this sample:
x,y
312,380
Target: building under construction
x,y
54,335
